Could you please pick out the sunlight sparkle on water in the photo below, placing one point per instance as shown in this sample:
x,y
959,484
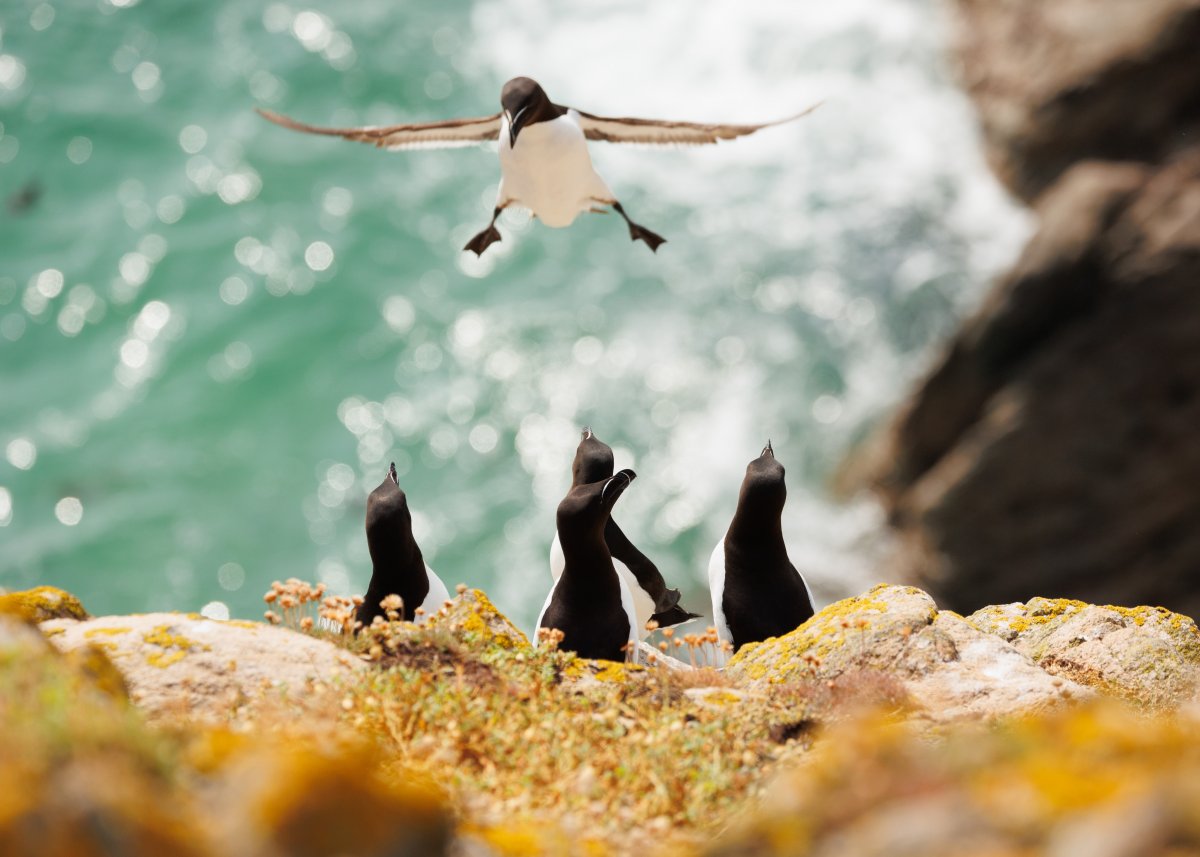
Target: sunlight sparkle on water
x,y
21,453
69,511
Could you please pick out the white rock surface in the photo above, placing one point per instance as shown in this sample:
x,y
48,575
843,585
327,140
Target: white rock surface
x,y
178,664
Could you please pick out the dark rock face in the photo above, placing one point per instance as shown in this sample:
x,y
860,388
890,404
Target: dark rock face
x,y
1055,448
1059,82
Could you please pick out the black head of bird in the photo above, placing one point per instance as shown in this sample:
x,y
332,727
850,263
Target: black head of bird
x,y
763,487
389,521
587,507
593,460
522,99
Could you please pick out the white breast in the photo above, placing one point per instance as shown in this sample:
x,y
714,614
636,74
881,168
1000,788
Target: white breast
x,y
716,586
438,595
550,171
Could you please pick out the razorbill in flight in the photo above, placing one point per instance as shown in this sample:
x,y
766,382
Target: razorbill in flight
x,y
756,591
651,598
550,173
396,562
590,604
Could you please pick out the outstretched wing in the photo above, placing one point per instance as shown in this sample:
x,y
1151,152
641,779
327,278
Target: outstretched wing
x,y
660,132
424,135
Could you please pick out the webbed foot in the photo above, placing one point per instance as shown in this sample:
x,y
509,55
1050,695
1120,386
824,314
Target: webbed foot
x,y
641,233
638,232
483,240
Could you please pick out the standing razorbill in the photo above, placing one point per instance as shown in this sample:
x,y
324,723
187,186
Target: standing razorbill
x,y
651,598
396,562
551,174
590,604
756,591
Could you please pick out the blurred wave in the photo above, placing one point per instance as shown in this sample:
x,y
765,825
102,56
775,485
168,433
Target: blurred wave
x,y
214,333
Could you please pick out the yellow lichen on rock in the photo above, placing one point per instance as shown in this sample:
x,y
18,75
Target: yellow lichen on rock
x,y
301,801
852,629
93,663
105,632
473,617
42,604
172,647
1145,654
535,840
1046,784
81,774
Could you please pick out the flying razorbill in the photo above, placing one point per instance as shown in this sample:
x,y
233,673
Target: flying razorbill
x,y
756,591
551,173
397,566
651,599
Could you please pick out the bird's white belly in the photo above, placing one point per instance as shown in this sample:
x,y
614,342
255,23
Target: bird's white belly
x,y
550,171
437,596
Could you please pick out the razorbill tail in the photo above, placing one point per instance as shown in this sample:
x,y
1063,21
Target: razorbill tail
x,y
590,604
396,562
551,173
651,598
756,591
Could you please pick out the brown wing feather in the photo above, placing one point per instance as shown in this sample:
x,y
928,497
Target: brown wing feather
x,y
447,134
659,132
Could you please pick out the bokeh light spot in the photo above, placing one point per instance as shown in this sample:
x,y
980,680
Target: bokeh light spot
x,y
231,576
192,139
21,453
79,150
234,290
318,256
69,511
483,438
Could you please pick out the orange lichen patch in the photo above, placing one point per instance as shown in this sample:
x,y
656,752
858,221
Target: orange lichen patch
x,y
42,604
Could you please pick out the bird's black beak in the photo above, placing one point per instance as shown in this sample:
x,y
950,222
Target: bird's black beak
x,y
767,450
615,486
515,123
392,474
587,432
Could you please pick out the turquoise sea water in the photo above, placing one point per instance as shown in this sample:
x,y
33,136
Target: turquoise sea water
x,y
215,333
